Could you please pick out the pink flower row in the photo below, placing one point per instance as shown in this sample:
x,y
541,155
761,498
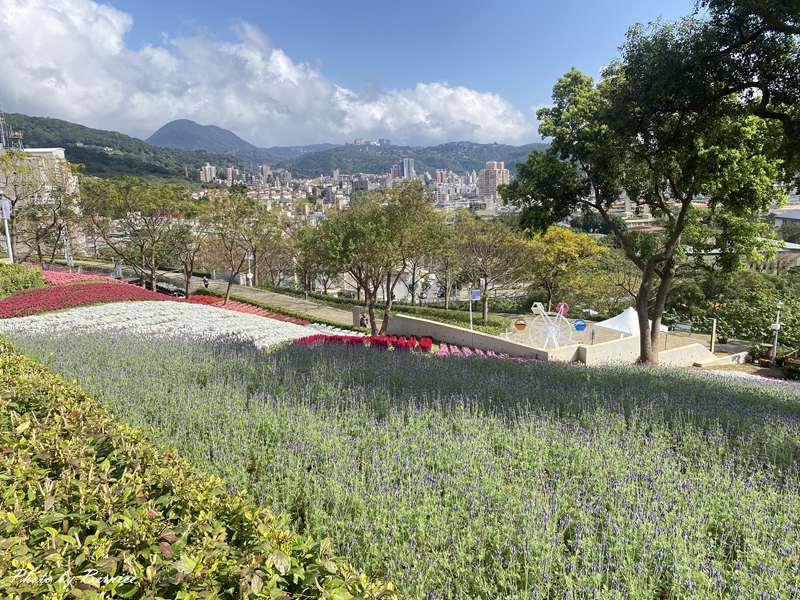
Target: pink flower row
x,y
389,342
445,351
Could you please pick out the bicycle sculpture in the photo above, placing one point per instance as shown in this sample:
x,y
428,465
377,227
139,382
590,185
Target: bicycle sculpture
x,y
545,330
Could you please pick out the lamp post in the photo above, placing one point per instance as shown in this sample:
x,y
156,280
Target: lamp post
x,y
776,327
5,204
249,270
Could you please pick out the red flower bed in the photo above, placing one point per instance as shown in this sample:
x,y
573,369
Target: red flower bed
x,y
31,302
375,341
203,299
61,278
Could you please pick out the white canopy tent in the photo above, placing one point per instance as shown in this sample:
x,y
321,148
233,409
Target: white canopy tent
x,y
626,322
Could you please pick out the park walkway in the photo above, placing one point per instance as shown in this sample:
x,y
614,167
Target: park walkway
x,y
309,307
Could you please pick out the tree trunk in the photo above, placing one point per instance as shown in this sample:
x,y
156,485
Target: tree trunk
x,y
662,292
648,354
228,291
370,300
485,299
447,285
413,284
388,305
153,275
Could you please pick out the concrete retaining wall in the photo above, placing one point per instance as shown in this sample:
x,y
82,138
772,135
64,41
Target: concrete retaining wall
x,y
685,356
406,325
624,350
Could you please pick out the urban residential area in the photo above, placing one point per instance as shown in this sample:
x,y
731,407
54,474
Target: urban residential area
x,y
366,301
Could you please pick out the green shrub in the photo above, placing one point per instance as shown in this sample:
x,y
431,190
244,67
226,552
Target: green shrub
x,y
14,278
80,491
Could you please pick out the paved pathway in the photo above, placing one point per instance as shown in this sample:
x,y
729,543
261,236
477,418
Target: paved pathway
x,y
309,307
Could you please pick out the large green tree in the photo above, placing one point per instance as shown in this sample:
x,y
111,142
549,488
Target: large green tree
x,y
657,131
137,220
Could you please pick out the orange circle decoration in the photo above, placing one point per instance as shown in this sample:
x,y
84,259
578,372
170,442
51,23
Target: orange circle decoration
x,y
520,325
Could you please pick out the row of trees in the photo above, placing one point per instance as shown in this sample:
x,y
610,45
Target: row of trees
x,y
385,239
43,198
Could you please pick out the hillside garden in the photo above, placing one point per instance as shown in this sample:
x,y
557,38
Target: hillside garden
x,y
471,478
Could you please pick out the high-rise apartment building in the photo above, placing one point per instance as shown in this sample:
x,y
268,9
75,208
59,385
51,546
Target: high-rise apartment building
x,y
208,173
408,168
490,177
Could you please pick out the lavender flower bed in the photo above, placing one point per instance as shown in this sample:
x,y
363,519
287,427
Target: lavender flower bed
x,y
482,479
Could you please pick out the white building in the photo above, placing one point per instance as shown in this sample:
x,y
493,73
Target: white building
x,y
490,177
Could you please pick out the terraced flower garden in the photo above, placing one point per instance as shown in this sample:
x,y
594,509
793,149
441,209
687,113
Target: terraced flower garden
x,y
463,479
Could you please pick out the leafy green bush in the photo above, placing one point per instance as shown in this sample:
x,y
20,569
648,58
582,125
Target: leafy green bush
x,y
14,278
82,491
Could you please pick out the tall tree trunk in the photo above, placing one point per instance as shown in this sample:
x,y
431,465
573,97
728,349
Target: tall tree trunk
x,y
447,285
662,292
153,275
413,284
228,291
389,301
370,300
485,298
647,353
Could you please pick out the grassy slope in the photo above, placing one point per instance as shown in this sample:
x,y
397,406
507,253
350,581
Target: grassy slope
x,y
479,478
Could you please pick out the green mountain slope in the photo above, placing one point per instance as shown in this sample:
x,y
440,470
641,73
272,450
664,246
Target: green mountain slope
x,y
107,153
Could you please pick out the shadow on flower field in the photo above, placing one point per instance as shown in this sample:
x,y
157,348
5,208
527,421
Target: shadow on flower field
x,y
479,478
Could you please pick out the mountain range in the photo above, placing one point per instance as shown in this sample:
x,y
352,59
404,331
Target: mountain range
x,y
182,146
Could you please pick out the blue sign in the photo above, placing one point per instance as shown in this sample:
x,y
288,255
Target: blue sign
x,y
580,324
475,295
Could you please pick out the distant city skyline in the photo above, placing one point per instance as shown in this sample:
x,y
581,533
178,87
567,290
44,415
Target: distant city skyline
x,y
303,72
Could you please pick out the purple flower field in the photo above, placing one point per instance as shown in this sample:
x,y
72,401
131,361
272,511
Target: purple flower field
x,y
478,478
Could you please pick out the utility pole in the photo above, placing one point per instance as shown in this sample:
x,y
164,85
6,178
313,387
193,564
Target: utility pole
x,y
5,204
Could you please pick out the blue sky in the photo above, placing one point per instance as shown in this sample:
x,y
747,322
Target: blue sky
x,y
301,71
516,48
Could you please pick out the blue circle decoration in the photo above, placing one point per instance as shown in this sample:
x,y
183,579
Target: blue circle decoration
x,y
580,324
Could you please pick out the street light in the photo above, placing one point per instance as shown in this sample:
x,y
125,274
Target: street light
x,y
249,257
5,204
776,327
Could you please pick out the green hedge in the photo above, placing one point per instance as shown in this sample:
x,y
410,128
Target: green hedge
x,y
81,491
276,309
14,278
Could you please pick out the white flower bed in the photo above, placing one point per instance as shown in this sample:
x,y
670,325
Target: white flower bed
x,y
159,319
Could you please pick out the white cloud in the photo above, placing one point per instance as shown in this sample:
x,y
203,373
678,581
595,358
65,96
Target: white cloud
x,y
68,59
